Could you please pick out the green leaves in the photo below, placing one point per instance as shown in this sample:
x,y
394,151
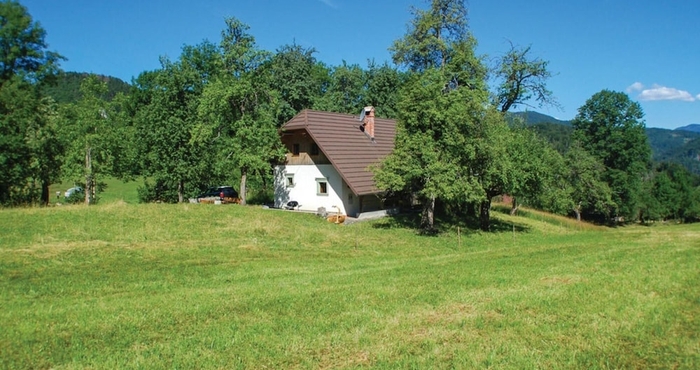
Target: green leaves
x,y
610,126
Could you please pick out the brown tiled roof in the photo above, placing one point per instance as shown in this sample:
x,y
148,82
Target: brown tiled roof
x,y
349,150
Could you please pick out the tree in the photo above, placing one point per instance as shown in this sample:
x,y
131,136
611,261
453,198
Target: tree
x,y
46,147
24,64
610,127
446,134
166,121
589,193
346,90
383,86
22,47
522,78
533,161
237,111
297,78
432,137
88,131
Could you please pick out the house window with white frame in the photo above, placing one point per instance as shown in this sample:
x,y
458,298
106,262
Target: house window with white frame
x,y
290,180
321,186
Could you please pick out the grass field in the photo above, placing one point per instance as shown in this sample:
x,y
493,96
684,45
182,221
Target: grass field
x,y
122,285
116,190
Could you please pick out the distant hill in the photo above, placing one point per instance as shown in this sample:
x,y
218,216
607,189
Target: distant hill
x,y
693,127
531,118
681,145
67,87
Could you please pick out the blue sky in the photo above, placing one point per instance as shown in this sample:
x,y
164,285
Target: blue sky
x,y
646,48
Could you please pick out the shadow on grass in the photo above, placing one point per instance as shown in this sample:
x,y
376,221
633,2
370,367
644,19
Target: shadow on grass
x,y
446,223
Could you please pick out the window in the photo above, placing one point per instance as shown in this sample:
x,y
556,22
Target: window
x,y
314,149
349,198
321,186
290,180
295,149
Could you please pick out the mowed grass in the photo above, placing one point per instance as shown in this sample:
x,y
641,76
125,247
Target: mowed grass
x,y
120,285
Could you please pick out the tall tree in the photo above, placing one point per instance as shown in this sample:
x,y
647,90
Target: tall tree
x,y
167,120
346,91
46,146
522,78
445,134
87,128
611,127
383,86
24,64
297,78
22,46
237,111
589,193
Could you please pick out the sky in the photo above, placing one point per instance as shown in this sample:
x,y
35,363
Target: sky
x,y
648,49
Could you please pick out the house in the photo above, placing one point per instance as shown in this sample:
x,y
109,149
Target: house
x,y
327,160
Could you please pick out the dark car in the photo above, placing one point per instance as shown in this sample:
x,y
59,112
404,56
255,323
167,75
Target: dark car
x,y
226,194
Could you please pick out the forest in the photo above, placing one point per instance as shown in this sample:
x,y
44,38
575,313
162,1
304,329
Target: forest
x,y
212,116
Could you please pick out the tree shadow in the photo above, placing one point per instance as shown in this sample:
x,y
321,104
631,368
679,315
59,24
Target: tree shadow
x,y
446,223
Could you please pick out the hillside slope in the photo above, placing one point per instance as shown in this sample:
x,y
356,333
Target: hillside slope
x,y
67,87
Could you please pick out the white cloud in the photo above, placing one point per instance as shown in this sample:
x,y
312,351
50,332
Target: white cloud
x,y
637,86
658,92
330,3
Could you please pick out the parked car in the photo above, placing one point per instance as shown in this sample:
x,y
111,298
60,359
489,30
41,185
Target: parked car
x,y
73,190
225,194
74,195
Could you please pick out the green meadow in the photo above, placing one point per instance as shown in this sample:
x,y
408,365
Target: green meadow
x,y
158,286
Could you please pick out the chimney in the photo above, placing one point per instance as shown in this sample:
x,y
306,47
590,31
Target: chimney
x,y
367,118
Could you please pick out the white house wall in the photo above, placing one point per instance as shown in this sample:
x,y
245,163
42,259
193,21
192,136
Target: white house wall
x,y
305,189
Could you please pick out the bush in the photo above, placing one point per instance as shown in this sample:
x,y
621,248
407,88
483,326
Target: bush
x,y
76,197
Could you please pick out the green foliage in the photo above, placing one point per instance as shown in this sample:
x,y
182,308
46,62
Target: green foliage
x,y
590,193
166,120
238,108
521,79
91,131
23,53
610,126
28,149
558,135
434,37
297,78
159,191
444,145
670,193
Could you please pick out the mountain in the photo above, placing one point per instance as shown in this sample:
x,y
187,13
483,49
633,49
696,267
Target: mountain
x,y
67,87
693,127
531,118
681,145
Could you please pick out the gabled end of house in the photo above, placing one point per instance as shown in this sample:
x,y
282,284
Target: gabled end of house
x,y
328,159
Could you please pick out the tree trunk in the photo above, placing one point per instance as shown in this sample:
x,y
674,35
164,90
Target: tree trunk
x,y
88,176
180,191
264,180
514,207
577,210
244,178
485,214
427,221
45,192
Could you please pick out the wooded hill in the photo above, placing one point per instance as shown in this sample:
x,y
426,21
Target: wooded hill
x,y
67,86
681,145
